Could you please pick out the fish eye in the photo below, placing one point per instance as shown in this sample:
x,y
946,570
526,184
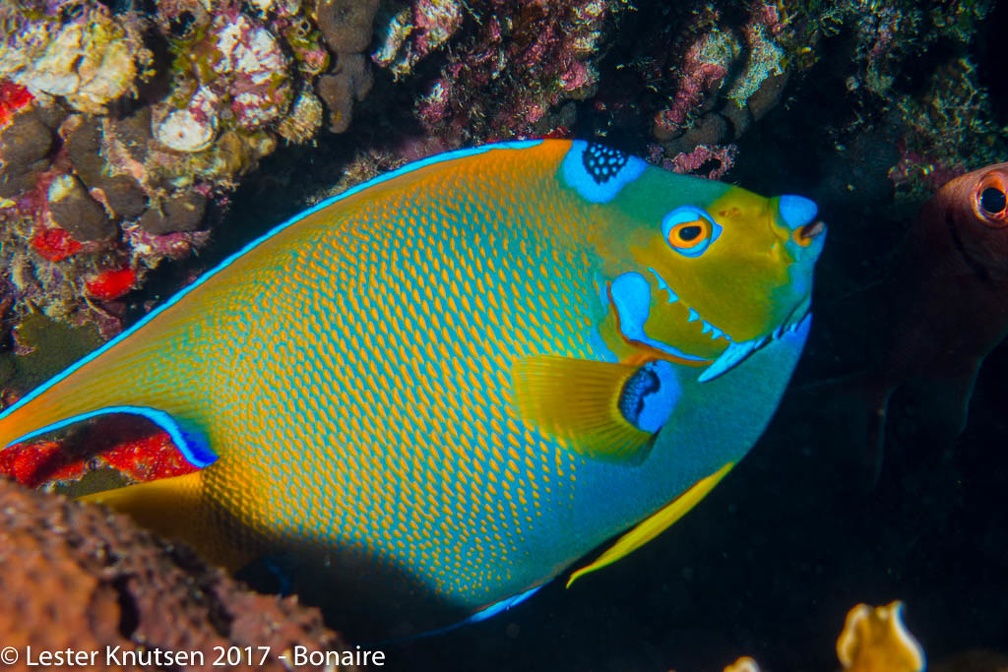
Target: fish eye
x,y
992,200
688,234
689,230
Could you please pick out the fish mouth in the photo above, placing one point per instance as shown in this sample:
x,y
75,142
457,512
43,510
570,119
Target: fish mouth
x,y
692,314
737,351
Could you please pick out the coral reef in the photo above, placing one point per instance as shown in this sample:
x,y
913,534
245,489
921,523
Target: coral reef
x,y
76,51
119,130
76,577
940,115
140,124
730,76
873,639
511,68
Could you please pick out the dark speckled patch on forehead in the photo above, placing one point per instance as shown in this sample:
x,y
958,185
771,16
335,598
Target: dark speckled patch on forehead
x,y
603,163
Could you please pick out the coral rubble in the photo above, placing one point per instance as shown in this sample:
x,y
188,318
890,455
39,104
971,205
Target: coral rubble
x,y
76,577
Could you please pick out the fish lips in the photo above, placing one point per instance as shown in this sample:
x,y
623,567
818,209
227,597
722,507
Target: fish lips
x,y
738,352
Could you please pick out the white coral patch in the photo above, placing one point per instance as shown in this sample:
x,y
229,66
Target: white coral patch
x,y
250,49
765,59
60,188
91,61
191,129
181,131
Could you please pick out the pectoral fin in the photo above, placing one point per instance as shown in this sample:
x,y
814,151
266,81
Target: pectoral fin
x,y
655,525
601,410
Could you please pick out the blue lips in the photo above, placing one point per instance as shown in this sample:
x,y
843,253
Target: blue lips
x,y
796,211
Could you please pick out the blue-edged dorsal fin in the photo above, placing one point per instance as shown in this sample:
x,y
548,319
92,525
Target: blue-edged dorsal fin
x,y
190,441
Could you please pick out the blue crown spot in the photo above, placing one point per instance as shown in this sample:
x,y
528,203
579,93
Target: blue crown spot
x,y
597,172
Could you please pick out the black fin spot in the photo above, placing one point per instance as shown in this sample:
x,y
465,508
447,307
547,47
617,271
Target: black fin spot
x,y
641,384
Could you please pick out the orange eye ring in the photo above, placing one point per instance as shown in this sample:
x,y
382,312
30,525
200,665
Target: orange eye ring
x,y
688,235
689,230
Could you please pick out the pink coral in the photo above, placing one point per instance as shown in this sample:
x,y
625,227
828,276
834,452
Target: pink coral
x,y
511,76
710,161
699,78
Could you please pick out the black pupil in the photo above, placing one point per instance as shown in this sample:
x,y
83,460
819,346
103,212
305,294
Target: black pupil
x,y
689,233
992,200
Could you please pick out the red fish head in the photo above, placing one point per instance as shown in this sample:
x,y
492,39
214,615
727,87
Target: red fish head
x,y
966,223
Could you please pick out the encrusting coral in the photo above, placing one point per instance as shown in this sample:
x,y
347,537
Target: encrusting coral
x,y
873,639
76,577
119,130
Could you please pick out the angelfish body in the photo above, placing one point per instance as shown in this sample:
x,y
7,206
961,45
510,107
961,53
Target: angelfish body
x,y
437,391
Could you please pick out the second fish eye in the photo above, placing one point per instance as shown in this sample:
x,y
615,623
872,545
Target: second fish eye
x,y
992,200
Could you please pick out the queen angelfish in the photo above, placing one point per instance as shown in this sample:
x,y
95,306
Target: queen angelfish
x,y
428,396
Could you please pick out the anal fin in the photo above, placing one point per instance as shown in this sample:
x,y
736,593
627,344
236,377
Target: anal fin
x,y
651,527
175,509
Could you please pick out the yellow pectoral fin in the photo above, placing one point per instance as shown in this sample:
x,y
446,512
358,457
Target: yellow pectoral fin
x,y
655,525
175,509
576,402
